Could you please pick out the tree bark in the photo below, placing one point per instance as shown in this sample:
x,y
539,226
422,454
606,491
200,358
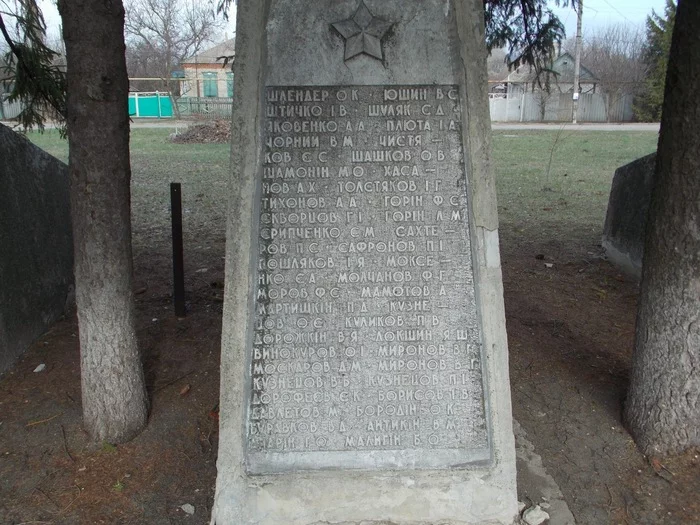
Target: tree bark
x,y
663,405
115,406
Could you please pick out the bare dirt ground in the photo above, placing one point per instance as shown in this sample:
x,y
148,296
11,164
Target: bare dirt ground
x,y
570,322
570,333
49,470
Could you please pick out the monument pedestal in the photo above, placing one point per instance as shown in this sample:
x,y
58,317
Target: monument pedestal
x,y
364,357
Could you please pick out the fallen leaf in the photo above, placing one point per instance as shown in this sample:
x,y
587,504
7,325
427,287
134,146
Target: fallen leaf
x,y
602,294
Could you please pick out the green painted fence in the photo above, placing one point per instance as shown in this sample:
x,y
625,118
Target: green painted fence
x,y
150,105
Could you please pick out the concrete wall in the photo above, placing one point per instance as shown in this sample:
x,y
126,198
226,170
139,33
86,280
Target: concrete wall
x,y
625,222
9,110
558,107
36,249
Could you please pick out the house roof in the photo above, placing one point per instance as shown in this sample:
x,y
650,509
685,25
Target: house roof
x,y
563,69
209,56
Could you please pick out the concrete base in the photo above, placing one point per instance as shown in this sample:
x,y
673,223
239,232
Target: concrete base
x,y
535,485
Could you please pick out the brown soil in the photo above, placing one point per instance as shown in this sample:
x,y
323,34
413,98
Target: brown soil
x,y
570,319
50,472
570,332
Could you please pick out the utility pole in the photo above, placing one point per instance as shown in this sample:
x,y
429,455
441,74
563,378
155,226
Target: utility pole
x,y
196,66
577,62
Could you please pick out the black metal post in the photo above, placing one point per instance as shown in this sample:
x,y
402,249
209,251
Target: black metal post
x,y
178,261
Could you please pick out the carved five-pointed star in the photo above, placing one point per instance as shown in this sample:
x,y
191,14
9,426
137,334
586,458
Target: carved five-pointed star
x,y
363,33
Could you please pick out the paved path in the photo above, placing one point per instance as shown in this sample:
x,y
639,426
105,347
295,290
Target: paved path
x,y
589,126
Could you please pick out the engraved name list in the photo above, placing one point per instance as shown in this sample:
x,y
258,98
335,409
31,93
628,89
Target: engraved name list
x,y
365,330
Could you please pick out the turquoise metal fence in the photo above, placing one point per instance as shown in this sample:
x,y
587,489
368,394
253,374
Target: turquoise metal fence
x,y
150,105
160,105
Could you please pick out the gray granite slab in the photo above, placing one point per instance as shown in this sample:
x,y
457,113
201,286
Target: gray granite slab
x,y
364,361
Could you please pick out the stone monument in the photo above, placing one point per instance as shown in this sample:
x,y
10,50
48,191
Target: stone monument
x,y
364,373
626,217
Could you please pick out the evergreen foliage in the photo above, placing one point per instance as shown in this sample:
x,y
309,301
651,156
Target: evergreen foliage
x,y
29,67
527,29
647,106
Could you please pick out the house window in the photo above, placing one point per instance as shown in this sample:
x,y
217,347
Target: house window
x,y
210,85
229,84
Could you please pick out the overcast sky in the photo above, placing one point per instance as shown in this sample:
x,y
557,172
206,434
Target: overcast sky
x,y
53,19
599,13
596,13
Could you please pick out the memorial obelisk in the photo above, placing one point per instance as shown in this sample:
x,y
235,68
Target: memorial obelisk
x,y
364,357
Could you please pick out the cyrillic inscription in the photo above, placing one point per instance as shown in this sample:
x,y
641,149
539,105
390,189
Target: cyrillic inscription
x,y
366,334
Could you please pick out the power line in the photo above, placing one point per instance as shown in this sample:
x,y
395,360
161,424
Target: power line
x,y
618,12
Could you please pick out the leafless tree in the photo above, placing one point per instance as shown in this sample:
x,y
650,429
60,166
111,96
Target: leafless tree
x,y
160,34
614,54
497,65
55,41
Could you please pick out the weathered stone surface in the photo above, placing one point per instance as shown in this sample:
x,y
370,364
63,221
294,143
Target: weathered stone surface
x,y
535,516
36,250
366,334
626,218
364,360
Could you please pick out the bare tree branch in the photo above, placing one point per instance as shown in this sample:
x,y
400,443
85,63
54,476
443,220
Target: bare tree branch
x,y
614,53
160,34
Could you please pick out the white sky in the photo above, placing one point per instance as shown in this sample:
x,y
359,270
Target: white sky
x,y
596,13
599,13
53,19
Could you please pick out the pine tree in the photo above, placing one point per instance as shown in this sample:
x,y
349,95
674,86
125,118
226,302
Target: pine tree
x,y
28,65
647,106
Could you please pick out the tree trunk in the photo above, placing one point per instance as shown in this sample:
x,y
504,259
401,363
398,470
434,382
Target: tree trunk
x,y
115,406
663,405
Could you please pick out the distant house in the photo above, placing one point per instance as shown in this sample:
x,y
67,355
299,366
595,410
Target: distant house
x,y
497,89
559,76
205,76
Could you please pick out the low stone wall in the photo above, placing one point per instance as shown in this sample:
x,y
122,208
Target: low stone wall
x,y
625,222
36,247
